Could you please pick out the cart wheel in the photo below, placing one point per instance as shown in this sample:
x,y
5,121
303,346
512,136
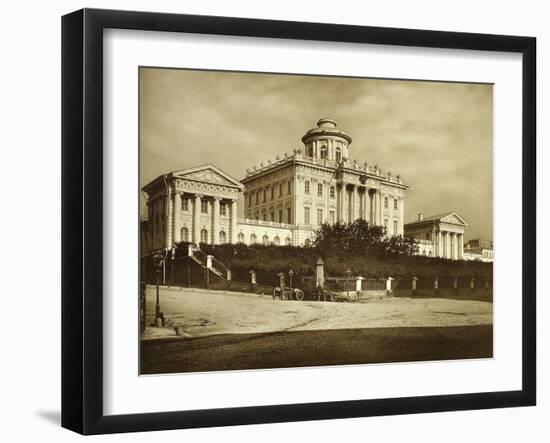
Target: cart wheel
x,y
299,294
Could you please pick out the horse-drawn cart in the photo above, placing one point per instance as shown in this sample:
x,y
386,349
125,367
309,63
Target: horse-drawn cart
x,y
287,293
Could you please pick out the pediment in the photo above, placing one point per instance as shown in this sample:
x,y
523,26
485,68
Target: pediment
x,y
208,174
455,219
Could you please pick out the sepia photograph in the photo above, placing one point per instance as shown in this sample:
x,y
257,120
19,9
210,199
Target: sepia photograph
x,y
294,221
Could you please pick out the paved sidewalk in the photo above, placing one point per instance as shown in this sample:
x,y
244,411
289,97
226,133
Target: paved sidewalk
x,y
204,313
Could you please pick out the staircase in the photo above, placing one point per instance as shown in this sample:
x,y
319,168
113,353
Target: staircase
x,y
211,263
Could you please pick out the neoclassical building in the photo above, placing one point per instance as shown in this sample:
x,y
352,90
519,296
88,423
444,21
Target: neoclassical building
x,y
439,235
285,200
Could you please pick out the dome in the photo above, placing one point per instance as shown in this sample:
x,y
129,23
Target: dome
x,y
325,127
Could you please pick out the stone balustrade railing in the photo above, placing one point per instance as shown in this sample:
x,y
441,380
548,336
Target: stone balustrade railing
x,y
250,221
297,154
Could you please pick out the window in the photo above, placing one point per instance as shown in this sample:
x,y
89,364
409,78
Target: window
x,y
338,154
223,208
184,234
289,187
265,195
395,227
428,236
257,197
288,241
272,192
250,199
332,192
265,240
184,203
280,189
386,202
324,151
276,241
272,216
204,236
307,219
306,187
289,215
240,237
252,239
223,237
320,189
280,216
395,204
264,216
386,225
319,216
332,217
307,242
204,206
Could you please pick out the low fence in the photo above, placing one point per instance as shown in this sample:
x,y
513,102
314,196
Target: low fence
x,y
185,272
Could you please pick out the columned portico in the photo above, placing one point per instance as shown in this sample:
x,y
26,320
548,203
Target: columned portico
x,y
444,232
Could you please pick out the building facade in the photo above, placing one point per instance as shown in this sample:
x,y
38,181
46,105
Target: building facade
x,y
439,235
477,249
285,200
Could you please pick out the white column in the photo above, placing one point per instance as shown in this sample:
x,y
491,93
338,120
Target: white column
x,y
233,221
341,201
380,208
439,244
216,221
460,246
177,217
169,219
197,219
354,211
453,245
372,199
345,203
401,203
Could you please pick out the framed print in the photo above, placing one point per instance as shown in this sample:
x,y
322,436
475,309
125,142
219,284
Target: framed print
x,y
270,221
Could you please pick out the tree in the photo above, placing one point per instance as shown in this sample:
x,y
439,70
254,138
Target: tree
x,y
360,239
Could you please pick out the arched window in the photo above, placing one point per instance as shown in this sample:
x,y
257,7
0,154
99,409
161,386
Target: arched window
x,y
338,154
324,151
240,237
395,203
288,241
265,240
204,236
184,234
276,241
386,202
252,239
223,237
307,242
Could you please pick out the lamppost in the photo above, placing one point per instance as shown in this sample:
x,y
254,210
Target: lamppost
x,y
290,275
158,262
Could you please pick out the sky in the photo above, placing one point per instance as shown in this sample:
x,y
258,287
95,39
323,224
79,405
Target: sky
x,y
437,135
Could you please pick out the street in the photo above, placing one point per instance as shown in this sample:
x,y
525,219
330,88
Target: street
x,y
315,347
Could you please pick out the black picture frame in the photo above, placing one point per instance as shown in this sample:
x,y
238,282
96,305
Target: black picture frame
x,y
82,218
